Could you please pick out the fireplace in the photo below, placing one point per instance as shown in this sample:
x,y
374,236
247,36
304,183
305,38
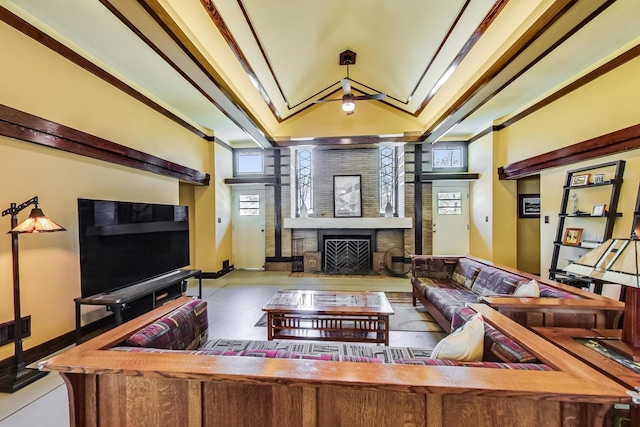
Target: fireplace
x,y
347,252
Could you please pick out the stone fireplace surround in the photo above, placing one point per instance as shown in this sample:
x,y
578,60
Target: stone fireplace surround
x,y
344,228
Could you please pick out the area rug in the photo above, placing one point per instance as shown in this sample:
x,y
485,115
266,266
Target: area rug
x,y
385,353
406,318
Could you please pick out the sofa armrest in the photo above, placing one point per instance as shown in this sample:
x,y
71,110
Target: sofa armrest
x,y
552,303
577,313
433,266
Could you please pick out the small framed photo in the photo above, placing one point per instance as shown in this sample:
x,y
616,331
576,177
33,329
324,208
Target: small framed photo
x,y
578,180
572,236
598,210
598,178
529,205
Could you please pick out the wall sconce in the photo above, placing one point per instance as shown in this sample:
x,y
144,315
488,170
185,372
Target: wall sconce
x,y
37,222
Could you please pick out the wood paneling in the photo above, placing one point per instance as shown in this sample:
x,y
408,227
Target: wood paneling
x,y
252,405
146,401
470,411
361,407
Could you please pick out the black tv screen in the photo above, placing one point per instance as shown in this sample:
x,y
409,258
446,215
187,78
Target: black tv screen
x,y
123,243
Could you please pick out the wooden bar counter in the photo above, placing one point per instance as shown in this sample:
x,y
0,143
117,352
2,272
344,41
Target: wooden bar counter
x,y
112,388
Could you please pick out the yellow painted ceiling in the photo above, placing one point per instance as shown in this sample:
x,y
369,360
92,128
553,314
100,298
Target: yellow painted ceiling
x,y
252,70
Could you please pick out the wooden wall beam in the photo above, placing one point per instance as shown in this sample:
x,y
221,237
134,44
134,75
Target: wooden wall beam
x,y
27,127
611,143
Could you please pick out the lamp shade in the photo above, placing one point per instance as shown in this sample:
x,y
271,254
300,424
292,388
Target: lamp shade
x,y
37,222
615,261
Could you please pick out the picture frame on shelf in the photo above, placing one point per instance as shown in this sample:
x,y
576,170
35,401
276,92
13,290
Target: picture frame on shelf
x,y
598,178
572,236
529,205
598,210
347,196
580,180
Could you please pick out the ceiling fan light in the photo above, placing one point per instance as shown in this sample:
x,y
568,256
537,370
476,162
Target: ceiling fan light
x,y
348,103
348,106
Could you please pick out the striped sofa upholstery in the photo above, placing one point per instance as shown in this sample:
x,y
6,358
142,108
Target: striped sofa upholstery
x,y
186,328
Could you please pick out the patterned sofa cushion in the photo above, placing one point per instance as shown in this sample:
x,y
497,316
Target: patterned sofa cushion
x,y
502,346
466,272
263,353
551,292
185,328
492,281
495,365
447,300
341,358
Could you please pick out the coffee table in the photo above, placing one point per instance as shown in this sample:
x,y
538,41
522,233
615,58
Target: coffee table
x,y
329,316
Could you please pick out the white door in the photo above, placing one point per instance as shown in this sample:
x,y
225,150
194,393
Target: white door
x,y
248,228
450,218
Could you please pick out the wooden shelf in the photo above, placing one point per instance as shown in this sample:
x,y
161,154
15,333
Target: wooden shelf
x,y
609,218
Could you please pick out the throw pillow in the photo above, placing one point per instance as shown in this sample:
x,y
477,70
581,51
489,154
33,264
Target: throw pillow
x,y
528,289
464,344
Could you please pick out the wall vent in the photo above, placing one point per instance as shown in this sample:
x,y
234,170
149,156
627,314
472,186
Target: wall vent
x,y
7,330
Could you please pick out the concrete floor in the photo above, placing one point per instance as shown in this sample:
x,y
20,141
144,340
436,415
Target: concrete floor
x,y
234,306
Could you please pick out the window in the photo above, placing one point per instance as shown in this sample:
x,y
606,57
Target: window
x,y
450,203
249,162
249,204
304,181
388,174
449,157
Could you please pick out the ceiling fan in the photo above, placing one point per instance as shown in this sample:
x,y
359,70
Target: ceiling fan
x,y
348,99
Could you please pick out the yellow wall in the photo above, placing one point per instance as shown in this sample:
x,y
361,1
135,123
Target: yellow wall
x,y
529,230
610,103
480,198
224,169
37,80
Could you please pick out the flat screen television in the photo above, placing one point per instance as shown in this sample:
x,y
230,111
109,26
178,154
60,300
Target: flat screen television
x,y
124,243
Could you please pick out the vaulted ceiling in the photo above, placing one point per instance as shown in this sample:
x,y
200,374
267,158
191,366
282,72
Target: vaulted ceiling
x,y
252,71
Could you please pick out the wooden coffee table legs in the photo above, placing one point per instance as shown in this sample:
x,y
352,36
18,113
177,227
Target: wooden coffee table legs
x,y
328,327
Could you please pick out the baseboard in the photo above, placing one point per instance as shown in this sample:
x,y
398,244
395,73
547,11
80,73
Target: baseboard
x,y
53,345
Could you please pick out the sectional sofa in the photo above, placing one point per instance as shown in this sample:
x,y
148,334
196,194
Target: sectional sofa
x,y
154,371
446,284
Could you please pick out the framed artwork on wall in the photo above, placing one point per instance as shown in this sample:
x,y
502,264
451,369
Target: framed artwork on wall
x,y
347,196
572,236
529,205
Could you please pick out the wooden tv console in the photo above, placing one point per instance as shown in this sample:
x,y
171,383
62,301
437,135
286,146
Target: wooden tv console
x,y
139,298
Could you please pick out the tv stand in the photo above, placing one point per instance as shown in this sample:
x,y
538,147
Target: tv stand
x,y
134,300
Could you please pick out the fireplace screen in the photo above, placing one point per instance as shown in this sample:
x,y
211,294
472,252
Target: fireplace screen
x,y
347,256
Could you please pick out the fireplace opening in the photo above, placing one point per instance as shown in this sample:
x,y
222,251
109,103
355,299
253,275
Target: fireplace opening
x,y
347,254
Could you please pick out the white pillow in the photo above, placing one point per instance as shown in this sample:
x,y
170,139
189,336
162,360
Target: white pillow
x,y
529,289
464,344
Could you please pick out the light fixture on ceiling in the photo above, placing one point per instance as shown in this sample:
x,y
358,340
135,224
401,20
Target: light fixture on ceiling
x,y
348,103
37,222
617,261
348,99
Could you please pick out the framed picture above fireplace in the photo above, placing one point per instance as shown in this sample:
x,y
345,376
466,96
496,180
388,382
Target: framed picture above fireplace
x,y
347,197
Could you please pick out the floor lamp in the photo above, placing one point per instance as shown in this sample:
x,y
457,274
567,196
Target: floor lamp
x,y
37,222
618,261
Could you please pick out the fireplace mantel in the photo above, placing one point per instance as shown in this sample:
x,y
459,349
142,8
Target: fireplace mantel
x,y
369,223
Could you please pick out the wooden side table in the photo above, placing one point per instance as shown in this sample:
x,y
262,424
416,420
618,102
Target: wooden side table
x,y
567,339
